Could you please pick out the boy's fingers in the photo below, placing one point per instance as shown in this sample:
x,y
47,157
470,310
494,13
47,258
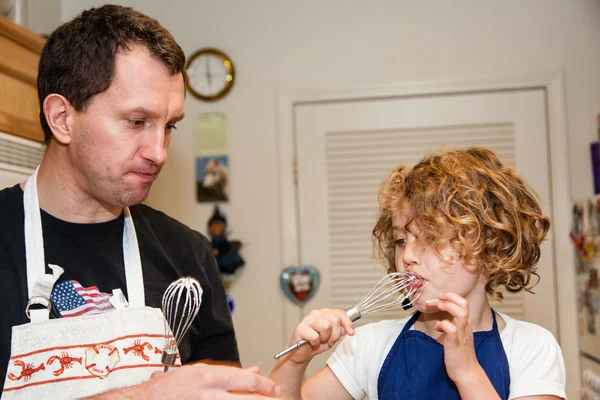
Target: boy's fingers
x,y
432,304
337,330
346,322
307,333
449,329
324,328
456,299
454,310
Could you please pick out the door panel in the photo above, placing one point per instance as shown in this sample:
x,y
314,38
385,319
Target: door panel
x,y
344,149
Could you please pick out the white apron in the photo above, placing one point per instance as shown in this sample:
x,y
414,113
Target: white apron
x,y
74,357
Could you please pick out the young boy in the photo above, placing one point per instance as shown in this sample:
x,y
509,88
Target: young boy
x,y
466,225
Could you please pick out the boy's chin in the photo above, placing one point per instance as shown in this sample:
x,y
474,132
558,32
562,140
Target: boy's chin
x,y
423,309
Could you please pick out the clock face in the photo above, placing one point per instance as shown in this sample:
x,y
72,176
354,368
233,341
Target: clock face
x,y
210,74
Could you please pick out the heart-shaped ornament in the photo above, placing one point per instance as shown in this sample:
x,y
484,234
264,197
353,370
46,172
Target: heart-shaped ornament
x,y
300,284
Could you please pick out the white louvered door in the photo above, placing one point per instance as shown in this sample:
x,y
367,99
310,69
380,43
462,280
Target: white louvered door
x,y
345,149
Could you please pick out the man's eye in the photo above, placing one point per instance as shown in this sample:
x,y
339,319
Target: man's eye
x,y
136,123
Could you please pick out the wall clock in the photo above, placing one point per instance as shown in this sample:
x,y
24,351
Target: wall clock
x,y
210,74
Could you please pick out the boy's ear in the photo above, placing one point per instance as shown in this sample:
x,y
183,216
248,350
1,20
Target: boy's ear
x,y
59,115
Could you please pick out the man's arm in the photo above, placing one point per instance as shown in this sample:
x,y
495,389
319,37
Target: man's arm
x,y
197,381
217,340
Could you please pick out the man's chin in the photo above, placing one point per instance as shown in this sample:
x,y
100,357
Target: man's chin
x,y
133,198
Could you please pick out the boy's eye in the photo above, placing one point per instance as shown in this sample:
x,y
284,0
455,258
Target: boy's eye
x,y
400,242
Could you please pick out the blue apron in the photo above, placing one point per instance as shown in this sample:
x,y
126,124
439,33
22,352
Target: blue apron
x,y
414,368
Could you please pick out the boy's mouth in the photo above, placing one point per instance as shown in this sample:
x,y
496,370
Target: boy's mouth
x,y
414,288
417,283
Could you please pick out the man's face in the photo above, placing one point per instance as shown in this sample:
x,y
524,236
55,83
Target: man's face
x,y
120,140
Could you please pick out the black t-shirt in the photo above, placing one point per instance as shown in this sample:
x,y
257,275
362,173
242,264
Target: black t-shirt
x,y
92,254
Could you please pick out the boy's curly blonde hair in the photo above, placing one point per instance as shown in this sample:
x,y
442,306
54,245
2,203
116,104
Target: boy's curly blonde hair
x,y
467,199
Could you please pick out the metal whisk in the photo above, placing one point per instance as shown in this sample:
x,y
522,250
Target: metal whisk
x,y
180,305
392,291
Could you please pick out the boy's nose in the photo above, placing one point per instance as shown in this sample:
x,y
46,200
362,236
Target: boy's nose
x,y
410,257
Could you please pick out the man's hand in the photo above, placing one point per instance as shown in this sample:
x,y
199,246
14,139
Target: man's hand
x,y
200,381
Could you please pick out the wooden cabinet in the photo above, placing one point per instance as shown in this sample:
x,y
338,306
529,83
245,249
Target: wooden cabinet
x,y
19,54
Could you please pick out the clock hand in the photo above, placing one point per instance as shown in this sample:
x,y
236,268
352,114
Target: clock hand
x,y
208,74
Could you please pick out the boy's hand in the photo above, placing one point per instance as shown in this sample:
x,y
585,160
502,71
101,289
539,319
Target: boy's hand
x,y
459,349
322,329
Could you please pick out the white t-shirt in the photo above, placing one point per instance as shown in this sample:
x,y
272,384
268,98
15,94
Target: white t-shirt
x,y
534,358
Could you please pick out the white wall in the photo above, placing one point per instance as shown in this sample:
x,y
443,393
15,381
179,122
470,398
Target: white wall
x,y
43,15
39,16
313,44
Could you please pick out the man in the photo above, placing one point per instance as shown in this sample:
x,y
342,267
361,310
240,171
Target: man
x,y
111,91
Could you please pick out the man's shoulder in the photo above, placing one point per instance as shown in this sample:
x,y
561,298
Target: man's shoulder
x,y
11,195
163,224
11,205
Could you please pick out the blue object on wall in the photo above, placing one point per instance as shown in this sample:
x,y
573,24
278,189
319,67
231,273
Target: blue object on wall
x,y
230,303
595,155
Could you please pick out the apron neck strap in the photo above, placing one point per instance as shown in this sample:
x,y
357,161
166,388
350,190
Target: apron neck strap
x,y
34,247
494,322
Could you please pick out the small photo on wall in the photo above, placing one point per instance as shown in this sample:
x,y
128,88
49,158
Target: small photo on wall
x,y
212,175
212,158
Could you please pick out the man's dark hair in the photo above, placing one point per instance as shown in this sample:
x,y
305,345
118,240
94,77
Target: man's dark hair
x,y
78,60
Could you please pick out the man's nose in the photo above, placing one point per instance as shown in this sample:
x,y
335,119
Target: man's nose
x,y
155,147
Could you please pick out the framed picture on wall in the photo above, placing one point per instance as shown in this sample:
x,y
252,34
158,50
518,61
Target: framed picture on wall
x,y
212,159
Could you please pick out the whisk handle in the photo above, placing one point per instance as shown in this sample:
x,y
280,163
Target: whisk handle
x,y
291,348
168,359
352,312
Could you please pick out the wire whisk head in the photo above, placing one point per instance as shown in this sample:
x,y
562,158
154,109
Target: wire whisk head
x,y
180,306
395,290
392,291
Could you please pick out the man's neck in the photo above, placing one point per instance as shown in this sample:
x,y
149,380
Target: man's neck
x,y
60,195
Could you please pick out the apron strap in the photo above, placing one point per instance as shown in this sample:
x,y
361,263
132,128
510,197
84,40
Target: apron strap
x,y
34,240
40,284
134,276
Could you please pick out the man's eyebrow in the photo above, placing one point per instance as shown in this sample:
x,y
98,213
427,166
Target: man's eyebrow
x,y
151,114
145,112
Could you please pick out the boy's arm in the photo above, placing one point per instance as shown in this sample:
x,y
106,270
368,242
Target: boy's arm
x,y
289,376
476,385
322,329
459,353
323,386
544,397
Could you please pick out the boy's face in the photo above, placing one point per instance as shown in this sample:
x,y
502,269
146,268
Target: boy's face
x,y
442,271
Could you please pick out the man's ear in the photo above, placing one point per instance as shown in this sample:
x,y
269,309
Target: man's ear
x,y
59,113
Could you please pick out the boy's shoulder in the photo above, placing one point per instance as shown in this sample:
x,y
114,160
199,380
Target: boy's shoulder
x,y
382,329
525,334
